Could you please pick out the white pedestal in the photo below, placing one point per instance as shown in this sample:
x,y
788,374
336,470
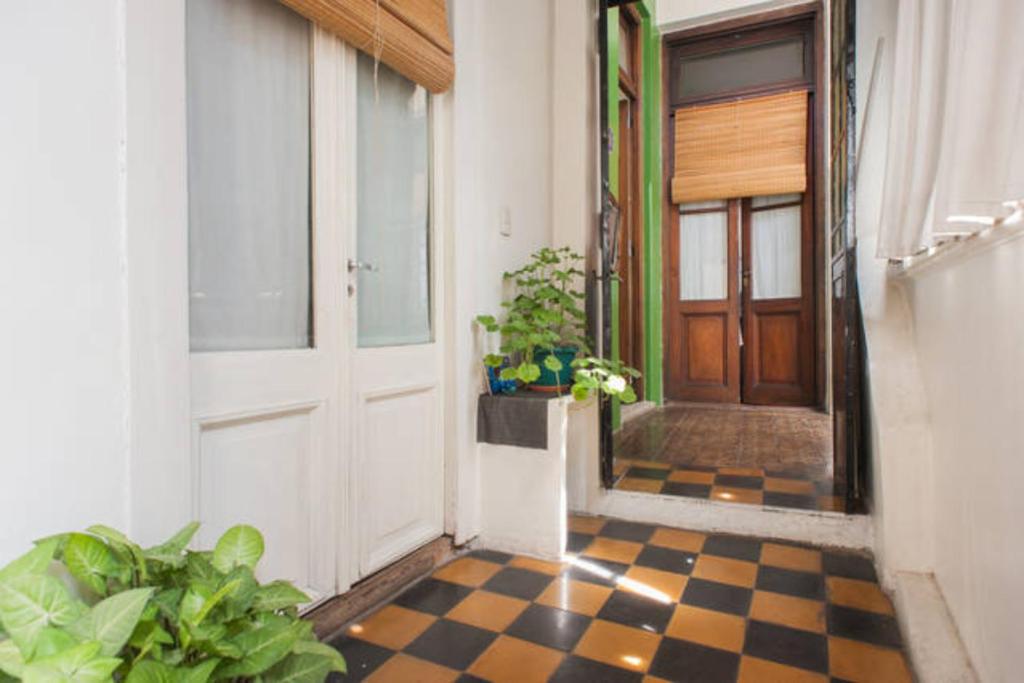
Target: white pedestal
x,y
524,492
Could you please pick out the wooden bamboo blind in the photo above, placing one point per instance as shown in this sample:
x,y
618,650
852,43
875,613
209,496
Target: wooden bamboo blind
x,y
411,36
745,148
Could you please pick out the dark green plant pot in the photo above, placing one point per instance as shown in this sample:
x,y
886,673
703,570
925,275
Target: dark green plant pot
x,y
550,381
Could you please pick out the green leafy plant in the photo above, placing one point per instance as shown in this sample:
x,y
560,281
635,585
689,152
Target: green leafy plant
x,y
545,313
609,377
163,614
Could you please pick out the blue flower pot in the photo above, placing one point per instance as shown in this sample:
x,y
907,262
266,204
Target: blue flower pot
x,y
550,381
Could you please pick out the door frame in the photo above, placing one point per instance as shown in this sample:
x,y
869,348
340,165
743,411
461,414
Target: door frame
x,y
161,424
631,228
776,23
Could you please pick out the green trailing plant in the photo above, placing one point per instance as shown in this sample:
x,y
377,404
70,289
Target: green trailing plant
x,y
163,614
604,376
545,313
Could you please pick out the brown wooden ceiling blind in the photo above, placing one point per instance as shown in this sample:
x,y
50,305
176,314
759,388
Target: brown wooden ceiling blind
x,y
412,35
744,148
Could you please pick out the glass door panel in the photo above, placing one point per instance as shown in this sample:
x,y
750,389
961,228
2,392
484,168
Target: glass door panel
x,y
248,90
703,251
393,214
775,246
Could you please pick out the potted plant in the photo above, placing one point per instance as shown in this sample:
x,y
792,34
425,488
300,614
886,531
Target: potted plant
x,y
544,331
164,613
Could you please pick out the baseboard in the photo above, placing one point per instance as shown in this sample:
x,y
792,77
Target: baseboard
x,y
932,641
331,616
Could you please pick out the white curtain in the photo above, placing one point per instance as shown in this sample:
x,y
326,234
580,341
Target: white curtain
x,y
249,175
955,138
703,252
775,247
393,206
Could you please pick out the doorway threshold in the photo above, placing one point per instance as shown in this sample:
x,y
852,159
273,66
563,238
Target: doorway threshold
x,y
820,527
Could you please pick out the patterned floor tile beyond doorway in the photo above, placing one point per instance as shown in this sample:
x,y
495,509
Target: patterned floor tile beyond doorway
x,y
638,603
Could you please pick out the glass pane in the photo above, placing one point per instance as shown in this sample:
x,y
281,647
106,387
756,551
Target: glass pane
x,y
248,176
740,68
775,243
393,208
703,253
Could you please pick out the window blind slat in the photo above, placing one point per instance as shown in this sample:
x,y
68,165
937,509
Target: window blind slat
x,y
744,148
411,35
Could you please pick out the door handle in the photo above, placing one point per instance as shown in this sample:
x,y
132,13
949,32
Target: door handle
x,y
354,265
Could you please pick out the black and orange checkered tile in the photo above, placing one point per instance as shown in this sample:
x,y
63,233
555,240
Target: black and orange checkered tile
x,y
637,603
751,485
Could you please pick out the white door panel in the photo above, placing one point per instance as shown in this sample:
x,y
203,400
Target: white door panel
x,y
395,309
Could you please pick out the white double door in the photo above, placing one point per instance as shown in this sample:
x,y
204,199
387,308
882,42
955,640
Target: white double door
x,y
316,355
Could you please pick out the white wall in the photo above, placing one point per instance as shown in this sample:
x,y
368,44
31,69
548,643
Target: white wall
x,y
969,334
676,14
525,141
946,352
63,365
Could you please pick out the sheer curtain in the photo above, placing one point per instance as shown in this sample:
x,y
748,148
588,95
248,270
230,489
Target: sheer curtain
x,y
249,175
955,140
775,247
703,252
393,206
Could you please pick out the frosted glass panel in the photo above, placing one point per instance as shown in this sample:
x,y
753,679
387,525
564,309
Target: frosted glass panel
x,y
393,208
740,68
703,253
248,176
775,243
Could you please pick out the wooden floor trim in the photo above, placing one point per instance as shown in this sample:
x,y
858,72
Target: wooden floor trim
x,y
330,617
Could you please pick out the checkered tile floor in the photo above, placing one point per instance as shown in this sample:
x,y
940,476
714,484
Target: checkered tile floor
x,y
637,603
751,485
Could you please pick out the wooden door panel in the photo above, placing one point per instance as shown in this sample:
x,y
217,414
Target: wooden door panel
x,y
778,353
706,339
778,336
703,361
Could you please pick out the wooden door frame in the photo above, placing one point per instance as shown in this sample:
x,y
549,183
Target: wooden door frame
x,y
633,218
813,14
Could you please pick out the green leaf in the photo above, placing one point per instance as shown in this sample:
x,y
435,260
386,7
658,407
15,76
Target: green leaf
x,y
262,647
240,545
81,664
508,373
11,661
200,673
29,603
170,551
52,641
35,561
315,647
494,360
528,372
151,671
580,392
112,621
122,546
90,561
278,595
301,669
628,395
552,363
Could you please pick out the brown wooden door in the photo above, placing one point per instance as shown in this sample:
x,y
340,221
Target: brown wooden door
x,y
629,194
702,356
629,272
778,300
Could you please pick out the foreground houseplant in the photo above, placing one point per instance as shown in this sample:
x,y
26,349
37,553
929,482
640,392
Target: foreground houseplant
x,y
544,328
160,614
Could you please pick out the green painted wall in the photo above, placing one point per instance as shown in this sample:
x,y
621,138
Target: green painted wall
x,y
652,183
